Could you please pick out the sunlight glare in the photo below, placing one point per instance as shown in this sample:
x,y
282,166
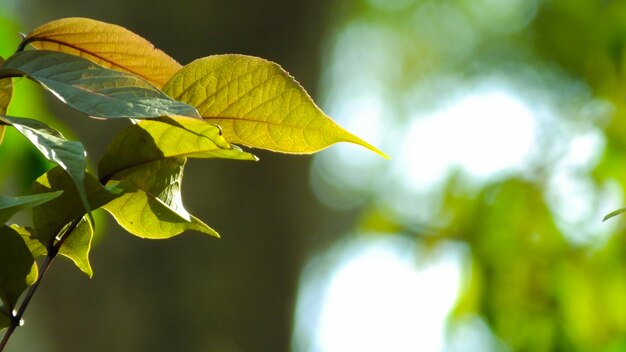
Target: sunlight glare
x,y
377,299
482,134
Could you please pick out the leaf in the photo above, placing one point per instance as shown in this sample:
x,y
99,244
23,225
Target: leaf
x,y
106,44
149,158
50,218
154,140
17,267
37,249
12,205
78,245
151,206
613,213
257,104
6,93
147,216
93,89
70,155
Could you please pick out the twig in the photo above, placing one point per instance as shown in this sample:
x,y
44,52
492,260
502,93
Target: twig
x,y
16,319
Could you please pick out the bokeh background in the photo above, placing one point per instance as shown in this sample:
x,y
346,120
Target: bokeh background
x,y
506,125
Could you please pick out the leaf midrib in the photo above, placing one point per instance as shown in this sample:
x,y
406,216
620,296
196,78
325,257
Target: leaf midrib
x,y
80,49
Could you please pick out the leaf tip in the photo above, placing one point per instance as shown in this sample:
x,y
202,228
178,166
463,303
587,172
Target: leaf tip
x,y
613,213
356,140
380,152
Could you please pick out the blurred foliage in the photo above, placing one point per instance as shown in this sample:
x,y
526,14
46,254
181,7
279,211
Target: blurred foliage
x,y
541,281
20,163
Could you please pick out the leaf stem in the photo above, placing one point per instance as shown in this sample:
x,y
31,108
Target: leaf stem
x,y
10,73
23,43
16,319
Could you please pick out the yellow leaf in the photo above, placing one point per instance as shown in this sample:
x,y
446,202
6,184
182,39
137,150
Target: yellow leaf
x,y
257,104
106,44
6,92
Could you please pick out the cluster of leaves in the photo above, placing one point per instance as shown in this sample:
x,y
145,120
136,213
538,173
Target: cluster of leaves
x,y
196,111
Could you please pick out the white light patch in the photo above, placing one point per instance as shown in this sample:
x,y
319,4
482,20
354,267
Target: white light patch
x,y
378,299
576,201
482,134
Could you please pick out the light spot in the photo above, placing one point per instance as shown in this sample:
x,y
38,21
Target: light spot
x,y
375,297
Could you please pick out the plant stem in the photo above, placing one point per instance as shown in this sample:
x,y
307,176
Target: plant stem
x,y
17,318
6,336
52,253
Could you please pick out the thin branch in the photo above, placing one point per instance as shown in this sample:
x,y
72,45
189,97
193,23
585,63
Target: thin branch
x,y
16,319
5,338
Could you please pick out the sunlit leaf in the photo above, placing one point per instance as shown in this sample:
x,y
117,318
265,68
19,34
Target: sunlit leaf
x,y
70,155
78,245
155,140
106,44
613,213
37,249
151,206
257,104
149,157
50,218
93,89
12,205
6,93
17,267
144,215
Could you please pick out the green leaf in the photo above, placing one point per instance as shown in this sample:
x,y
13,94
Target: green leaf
x,y
93,89
257,104
17,267
149,157
151,206
37,249
613,213
154,140
50,218
70,155
12,205
78,245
